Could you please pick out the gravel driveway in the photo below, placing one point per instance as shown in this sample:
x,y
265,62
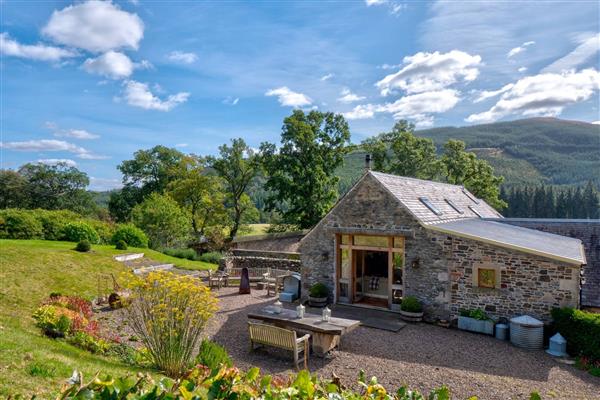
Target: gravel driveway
x,y
420,355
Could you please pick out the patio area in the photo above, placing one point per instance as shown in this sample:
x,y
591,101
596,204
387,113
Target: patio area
x,y
420,355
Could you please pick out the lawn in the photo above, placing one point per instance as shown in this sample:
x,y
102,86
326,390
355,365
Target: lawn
x,y
29,270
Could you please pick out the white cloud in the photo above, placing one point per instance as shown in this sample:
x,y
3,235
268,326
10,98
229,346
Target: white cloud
x,y
231,101
55,161
40,52
588,47
519,49
289,98
522,69
348,97
111,64
180,145
181,57
488,94
417,107
370,3
327,77
138,94
546,94
394,6
96,26
389,66
51,145
425,72
596,122
80,134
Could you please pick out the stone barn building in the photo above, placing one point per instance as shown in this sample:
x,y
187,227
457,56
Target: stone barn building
x,y
391,237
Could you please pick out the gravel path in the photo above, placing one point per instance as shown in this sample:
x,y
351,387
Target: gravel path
x,y
420,355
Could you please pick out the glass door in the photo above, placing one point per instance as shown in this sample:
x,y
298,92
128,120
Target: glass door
x,y
345,276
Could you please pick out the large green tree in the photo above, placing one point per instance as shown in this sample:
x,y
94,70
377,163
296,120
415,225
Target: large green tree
x,y
301,181
203,197
56,187
163,221
461,167
400,152
237,166
150,171
13,189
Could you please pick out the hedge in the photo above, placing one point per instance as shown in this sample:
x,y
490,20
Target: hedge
x,y
48,225
581,329
78,231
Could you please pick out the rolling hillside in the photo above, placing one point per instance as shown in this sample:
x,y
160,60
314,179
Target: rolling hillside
x,y
527,151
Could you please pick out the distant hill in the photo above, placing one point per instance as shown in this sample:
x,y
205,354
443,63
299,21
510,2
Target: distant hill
x,y
526,151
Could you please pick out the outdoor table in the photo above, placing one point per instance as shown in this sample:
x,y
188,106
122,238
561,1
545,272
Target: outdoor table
x,y
325,335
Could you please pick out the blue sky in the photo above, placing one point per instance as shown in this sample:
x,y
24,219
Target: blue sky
x,y
92,82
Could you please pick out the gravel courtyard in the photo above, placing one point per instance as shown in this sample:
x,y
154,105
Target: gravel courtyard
x,y
420,355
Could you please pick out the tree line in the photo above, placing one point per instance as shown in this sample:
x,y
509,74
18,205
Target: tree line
x,y
181,199
552,202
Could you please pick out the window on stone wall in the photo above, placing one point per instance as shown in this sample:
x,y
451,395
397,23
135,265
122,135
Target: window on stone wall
x,y
486,278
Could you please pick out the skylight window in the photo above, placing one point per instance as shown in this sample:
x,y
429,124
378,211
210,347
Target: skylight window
x,y
429,205
453,205
470,196
475,211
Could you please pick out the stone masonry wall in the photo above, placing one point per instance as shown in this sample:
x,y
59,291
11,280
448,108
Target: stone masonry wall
x,y
588,231
370,209
260,262
528,284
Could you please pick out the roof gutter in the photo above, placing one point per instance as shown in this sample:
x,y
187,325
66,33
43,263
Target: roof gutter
x,y
511,246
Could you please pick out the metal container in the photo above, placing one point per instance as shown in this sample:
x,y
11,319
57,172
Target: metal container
x,y
501,331
558,346
527,332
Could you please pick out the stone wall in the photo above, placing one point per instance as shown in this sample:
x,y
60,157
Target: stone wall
x,y
285,241
260,262
370,209
588,231
528,284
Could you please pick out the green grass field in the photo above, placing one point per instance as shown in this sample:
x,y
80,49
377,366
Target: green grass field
x,y
30,270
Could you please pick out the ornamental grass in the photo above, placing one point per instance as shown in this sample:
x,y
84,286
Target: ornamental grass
x,y
168,313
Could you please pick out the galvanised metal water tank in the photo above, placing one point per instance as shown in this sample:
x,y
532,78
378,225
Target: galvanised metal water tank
x,y
527,332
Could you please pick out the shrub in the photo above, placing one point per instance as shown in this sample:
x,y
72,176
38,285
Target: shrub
x,y
189,254
319,290
213,356
104,230
53,321
54,221
130,234
411,304
19,224
477,313
168,313
83,246
121,245
213,257
88,342
78,231
582,331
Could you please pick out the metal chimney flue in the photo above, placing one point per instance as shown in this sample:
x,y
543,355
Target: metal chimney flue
x,y
368,162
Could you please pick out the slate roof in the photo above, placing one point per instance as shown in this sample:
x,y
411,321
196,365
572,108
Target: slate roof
x,y
558,247
409,190
472,223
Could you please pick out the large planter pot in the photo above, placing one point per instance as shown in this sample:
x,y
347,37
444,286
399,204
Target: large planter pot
x,y
411,316
317,301
476,325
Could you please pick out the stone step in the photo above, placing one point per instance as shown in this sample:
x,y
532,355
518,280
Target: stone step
x,y
150,268
128,257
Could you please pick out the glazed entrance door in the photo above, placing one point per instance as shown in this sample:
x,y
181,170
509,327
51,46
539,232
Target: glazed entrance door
x,y
345,276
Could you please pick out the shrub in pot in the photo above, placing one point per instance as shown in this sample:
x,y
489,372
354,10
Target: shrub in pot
x,y
475,321
318,295
411,309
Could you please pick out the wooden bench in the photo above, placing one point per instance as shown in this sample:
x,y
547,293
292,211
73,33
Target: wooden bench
x,y
273,336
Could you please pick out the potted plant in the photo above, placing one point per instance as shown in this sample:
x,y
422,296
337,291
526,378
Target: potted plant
x,y
318,295
411,309
475,321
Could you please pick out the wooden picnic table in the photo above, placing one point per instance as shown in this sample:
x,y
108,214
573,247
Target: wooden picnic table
x,y
325,335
